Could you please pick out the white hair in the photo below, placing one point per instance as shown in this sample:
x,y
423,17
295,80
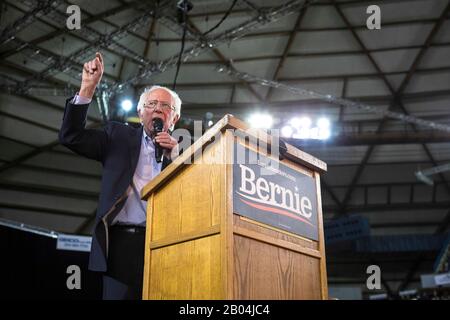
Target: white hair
x,y
173,94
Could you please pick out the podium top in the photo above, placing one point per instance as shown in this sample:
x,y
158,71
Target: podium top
x,y
230,122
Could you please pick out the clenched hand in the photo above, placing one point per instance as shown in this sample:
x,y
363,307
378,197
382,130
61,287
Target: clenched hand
x,y
92,74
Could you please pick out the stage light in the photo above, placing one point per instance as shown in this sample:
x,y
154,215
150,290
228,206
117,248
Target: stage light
x,y
305,122
261,120
287,131
314,133
303,128
210,123
302,133
127,105
209,115
295,122
324,133
323,123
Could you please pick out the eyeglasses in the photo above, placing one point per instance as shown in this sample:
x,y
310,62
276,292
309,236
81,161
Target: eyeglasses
x,y
153,103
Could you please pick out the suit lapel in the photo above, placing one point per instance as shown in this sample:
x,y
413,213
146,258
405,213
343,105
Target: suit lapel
x,y
166,161
135,148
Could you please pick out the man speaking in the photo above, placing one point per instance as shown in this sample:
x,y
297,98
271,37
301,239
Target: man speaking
x,y
131,158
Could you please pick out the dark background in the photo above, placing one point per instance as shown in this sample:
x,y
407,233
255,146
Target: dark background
x,y
32,268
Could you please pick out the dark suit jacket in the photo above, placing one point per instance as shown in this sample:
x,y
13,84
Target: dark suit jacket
x,y
117,147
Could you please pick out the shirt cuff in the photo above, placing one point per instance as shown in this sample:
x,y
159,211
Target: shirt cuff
x,y
80,100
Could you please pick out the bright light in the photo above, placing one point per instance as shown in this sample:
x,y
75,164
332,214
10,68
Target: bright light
x,y
314,133
305,122
287,131
323,123
210,123
261,120
324,133
324,129
302,133
127,105
302,128
209,115
295,122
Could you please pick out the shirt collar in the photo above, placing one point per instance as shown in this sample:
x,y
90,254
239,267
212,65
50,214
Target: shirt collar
x,y
147,139
146,136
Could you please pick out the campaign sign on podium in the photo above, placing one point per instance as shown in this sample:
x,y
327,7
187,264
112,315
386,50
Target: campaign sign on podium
x,y
272,193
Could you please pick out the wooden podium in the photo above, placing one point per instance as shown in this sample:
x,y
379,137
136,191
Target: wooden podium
x,y
198,248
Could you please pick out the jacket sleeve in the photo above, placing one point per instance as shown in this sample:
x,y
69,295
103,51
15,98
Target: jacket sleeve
x,y
91,143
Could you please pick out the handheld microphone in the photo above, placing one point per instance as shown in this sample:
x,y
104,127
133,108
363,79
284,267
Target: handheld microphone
x,y
158,126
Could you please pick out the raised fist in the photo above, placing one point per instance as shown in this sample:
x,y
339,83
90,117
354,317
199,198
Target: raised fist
x,y
92,74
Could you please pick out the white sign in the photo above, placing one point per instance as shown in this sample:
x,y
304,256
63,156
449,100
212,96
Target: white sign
x,y
73,243
442,279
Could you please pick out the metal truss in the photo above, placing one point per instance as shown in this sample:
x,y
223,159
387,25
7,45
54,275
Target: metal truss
x,y
204,44
92,35
424,175
39,8
332,99
72,64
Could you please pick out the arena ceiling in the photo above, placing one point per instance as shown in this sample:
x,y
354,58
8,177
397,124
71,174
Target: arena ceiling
x,y
323,45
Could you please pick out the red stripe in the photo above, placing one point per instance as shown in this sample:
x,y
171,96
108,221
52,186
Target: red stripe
x,y
275,210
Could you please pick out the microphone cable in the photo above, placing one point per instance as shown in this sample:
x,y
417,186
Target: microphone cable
x,y
184,10
223,18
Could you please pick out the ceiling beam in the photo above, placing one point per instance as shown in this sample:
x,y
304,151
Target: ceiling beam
x,y
61,63
281,33
26,72
330,167
49,190
390,163
286,50
151,33
445,223
225,60
407,184
83,227
23,143
28,121
370,138
328,209
324,54
52,211
29,155
330,191
33,98
341,77
41,8
35,152
399,225
58,32
62,172
396,100
349,3
411,272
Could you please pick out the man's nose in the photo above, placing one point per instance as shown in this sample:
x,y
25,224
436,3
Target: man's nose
x,y
158,109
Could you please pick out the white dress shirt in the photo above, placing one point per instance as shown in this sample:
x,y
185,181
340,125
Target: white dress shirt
x,y
133,212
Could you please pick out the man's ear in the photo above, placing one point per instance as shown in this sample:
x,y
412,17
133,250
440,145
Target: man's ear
x,y
140,115
175,119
